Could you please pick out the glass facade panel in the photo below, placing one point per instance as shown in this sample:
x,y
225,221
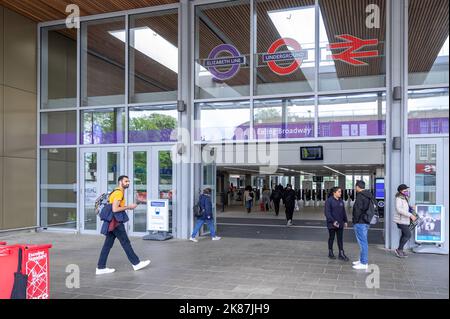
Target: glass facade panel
x,y
140,186
91,189
106,126
355,115
222,49
428,42
103,62
285,59
223,121
59,67
428,111
165,180
425,174
58,188
284,118
152,125
59,128
352,37
153,57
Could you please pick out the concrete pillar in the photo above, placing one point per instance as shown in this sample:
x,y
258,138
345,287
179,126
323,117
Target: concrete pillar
x,y
396,113
341,181
248,180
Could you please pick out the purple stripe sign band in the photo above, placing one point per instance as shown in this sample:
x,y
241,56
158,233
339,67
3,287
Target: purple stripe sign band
x,y
234,61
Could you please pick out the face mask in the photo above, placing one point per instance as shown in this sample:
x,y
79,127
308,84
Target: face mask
x,y
406,193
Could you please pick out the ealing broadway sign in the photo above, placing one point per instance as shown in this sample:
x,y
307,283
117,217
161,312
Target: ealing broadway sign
x,y
297,56
234,60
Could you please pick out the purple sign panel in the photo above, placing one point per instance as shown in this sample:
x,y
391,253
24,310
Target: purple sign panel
x,y
352,128
59,139
102,137
151,136
233,61
437,125
280,131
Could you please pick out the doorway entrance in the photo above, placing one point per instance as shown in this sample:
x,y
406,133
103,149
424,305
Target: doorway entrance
x,y
151,174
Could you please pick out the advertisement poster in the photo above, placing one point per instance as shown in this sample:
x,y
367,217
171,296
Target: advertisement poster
x,y
431,229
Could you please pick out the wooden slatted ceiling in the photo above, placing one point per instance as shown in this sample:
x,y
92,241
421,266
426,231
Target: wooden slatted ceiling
x,y
428,30
428,20
48,10
349,17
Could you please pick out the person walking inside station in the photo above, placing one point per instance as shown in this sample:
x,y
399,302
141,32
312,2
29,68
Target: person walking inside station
x,y
275,197
402,217
336,222
249,197
117,230
289,198
266,198
361,223
205,205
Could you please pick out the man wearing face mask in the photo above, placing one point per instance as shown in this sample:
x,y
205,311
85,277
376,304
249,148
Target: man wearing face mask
x,y
402,217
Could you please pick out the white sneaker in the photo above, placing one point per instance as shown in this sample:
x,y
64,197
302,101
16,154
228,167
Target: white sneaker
x,y
141,265
289,223
361,266
216,238
193,239
356,262
104,271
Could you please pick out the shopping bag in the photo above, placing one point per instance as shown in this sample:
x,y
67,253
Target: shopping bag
x,y
19,290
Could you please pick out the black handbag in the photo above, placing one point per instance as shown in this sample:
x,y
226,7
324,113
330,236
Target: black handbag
x,y
19,290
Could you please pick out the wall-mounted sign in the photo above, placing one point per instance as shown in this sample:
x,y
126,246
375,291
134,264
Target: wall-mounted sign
x,y
231,62
352,54
431,229
296,56
311,153
429,169
158,215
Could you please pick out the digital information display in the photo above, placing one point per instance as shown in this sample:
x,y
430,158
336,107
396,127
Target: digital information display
x,y
379,188
311,153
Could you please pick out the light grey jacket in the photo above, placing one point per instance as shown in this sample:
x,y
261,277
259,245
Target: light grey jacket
x,y
402,214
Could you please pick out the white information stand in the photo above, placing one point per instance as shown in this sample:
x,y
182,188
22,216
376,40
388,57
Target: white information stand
x,y
158,220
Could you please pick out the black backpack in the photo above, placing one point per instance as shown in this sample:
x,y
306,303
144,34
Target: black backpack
x,y
372,211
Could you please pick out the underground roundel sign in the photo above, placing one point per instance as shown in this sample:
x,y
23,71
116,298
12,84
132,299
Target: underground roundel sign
x,y
224,61
275,58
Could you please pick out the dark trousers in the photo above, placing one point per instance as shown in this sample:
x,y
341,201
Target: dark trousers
x,y
289,211
119,233
340,238
276,205
406,235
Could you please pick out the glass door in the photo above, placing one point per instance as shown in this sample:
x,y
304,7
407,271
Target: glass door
x,y
100,169
427,171
152,175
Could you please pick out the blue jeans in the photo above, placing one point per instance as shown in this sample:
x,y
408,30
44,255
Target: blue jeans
x,y
120,233
199,224
361,231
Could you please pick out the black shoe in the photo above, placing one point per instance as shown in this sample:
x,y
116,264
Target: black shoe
x,y
342,256
331,254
